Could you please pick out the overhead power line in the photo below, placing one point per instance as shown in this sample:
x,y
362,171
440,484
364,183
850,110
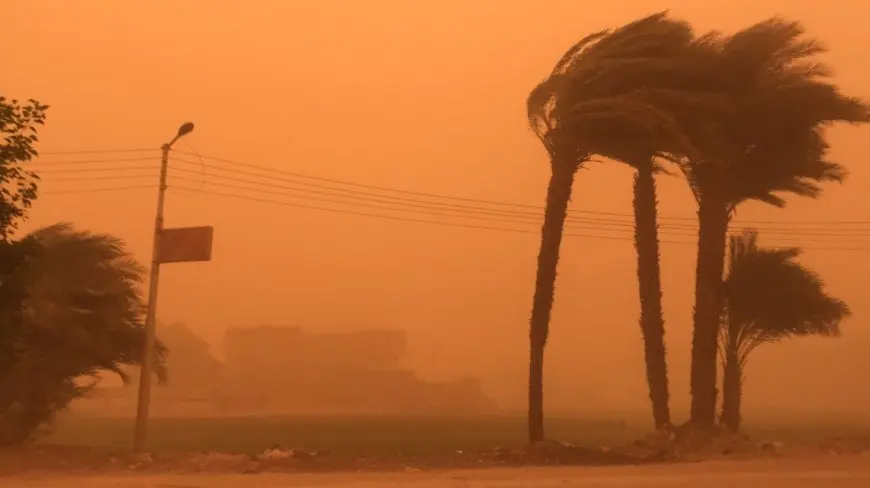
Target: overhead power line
x,y
97,170
293,174
103,189
296,189
98,151
388,217
40,162
627,239
310,188
464,213
298,175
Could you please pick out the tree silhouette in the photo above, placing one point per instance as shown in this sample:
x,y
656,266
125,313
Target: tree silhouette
x,y
82,315
19,123
609,95
770,143
770,297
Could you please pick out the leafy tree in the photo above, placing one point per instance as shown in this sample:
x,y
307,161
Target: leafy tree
x,y
771,142
18,125
609,95
770,297
18,128
82,315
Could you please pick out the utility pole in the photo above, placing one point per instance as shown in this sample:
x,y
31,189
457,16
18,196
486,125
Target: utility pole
x,y
140,437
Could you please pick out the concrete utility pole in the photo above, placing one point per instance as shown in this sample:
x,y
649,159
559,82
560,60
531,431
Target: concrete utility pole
x,y
140,438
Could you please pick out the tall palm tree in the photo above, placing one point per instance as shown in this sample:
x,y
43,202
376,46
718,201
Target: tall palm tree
x,y
770,297
771,143
82,315
602,98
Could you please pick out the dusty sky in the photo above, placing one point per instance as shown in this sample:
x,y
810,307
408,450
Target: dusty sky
x,y
425,96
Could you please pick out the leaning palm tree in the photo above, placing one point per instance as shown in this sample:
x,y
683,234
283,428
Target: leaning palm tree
x,y
82,315
770,297
609,95
771,143
666,77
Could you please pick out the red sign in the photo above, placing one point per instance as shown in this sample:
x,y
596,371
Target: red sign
x,y
185,244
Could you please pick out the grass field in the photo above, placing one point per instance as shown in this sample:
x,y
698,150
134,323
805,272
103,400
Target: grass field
x,y
383,435
369,435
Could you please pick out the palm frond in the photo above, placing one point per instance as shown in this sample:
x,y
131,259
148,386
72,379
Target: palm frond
x,y
772,143
770,296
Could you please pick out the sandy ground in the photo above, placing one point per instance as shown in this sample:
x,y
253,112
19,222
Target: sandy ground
x,y
833,472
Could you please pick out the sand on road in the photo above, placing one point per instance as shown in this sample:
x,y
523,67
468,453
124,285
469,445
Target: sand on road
x,y
833,472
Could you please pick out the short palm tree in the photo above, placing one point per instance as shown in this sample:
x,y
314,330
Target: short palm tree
x,y
769,297
771,143
610,95
82,315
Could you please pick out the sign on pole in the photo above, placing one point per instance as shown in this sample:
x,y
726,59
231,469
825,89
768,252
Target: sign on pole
x,y
185,244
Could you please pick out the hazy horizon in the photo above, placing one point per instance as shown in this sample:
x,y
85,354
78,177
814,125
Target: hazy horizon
x,y
426,97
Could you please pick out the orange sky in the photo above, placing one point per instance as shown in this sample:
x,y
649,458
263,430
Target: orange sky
x,y
420,95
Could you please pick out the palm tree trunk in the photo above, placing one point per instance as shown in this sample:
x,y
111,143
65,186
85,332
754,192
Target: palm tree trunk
x,y
732,388
713,228
652,323
558,196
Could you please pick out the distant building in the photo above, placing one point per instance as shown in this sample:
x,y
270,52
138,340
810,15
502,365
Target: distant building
x,y
287,369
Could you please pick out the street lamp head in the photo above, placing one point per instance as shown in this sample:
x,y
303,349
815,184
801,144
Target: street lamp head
x,y
185,129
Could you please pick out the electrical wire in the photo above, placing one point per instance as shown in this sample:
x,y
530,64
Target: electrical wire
x,y
96,170
628,239
39,162
294,174
98,151
91,178
368,199
91,190
384,198
628,217
391,217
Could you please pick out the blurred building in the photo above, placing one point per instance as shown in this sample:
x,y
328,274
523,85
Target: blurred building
x,y
288,369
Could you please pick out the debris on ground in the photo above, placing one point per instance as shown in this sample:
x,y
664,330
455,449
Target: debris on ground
x,y
554,452
276,453
672,444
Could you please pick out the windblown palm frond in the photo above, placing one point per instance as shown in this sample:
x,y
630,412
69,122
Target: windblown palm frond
x,y
770,296
630,93
84,292
783,98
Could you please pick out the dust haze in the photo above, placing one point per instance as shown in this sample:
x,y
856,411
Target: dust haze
x,y
424,96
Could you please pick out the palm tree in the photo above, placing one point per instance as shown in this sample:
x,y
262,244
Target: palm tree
x,y
770,297
82,315
770,143
610,95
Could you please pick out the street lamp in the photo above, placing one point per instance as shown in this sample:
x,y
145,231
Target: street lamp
x,y
147,369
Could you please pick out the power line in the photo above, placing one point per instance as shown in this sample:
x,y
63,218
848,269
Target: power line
x,y
391,217
99,151
388,189
475,200
606,221
91,161
464,211
96,170
92,178
454,224
624,222
91,190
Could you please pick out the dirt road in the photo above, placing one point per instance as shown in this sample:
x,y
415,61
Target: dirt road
x,y
833,472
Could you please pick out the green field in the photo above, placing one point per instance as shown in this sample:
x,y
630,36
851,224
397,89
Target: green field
x,y
369,435
382,435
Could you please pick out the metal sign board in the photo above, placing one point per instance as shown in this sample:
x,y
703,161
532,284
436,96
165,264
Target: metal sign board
x,y
185,244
